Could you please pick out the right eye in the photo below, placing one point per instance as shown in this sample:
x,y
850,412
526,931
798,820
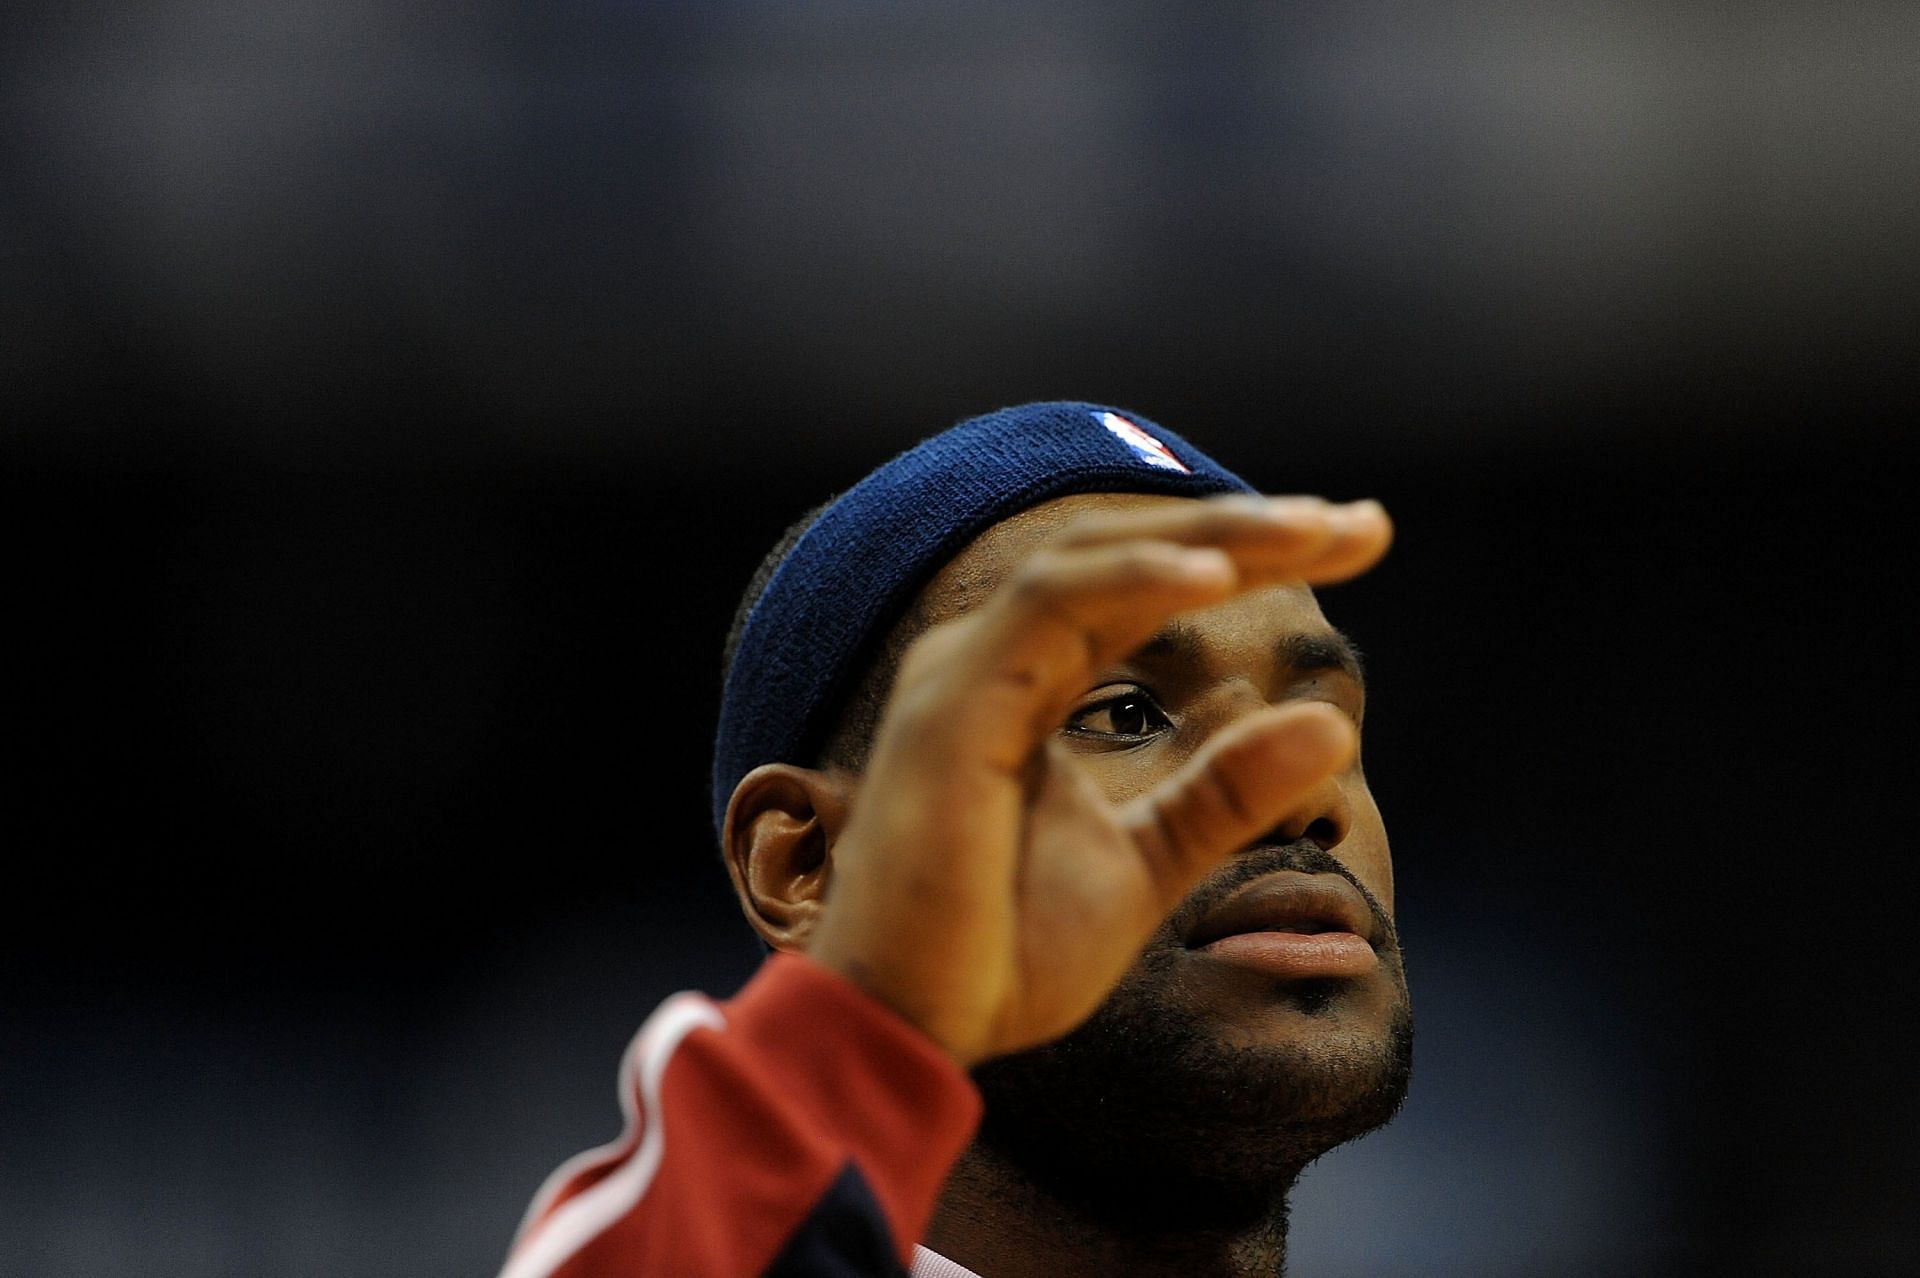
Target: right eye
x,y
1130,714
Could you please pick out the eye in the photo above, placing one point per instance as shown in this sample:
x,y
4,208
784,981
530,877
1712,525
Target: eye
x,y
1128,713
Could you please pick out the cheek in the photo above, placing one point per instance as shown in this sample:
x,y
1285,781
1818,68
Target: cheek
x,y
1366,851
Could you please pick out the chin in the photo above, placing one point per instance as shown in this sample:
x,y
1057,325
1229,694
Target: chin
x,y
1173,1078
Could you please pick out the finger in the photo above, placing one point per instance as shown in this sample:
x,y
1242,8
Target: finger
x,y
1361,534
999,679
1244,783
1314,546
1223,521
1269,538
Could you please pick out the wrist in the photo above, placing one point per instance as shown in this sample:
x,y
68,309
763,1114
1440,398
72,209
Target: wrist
x,y
876,983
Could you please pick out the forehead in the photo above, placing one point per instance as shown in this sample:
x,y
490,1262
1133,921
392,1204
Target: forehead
x,y
966,580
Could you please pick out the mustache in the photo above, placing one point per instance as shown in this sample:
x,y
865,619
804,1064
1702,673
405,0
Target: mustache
x,y
1271,857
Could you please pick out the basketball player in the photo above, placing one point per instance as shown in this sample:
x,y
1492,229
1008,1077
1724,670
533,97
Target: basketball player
x,y
1038,772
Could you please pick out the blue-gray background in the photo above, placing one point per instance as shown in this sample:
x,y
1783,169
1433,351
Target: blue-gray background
x,y
394,398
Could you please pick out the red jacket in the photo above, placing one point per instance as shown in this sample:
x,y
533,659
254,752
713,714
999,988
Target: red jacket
x,y
799,1128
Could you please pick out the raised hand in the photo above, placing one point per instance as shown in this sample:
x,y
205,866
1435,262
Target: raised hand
x,y
983,888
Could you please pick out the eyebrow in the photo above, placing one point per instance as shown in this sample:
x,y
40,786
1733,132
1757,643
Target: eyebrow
x,y
1307,653
1302,653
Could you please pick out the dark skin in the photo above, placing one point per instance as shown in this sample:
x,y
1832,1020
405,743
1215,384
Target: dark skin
x,y
1124,707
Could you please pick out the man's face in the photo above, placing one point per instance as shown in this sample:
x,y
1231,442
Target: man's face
x,y
1229,1066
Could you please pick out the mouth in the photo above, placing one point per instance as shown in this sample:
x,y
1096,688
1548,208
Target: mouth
x,y
1293,925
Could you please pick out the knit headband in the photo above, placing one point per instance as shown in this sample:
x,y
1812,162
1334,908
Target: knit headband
x,y
853,572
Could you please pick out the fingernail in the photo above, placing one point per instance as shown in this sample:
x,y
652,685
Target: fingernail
x,y
1351,515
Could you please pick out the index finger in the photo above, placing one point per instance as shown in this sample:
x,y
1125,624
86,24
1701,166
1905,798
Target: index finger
x,y
1270,539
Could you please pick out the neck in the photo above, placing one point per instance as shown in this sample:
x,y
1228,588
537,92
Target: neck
x,y
1002,1221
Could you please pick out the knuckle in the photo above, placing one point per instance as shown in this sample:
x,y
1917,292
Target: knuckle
x,y
1224,520
1150,561
1227,793
1037,578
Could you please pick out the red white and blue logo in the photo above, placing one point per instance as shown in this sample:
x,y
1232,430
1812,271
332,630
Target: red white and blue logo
x,y
1144,446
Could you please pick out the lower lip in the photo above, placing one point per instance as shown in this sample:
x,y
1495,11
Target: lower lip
x,y
1297,955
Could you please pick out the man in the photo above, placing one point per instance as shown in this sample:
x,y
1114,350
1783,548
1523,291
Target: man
x,y
1037,759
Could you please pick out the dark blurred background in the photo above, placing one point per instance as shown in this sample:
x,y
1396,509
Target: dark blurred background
x,y
395,398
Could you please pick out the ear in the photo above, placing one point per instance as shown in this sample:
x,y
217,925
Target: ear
x,y
778,840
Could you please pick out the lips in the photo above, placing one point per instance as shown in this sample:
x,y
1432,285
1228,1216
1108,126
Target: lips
x,y
1291,924
1288,901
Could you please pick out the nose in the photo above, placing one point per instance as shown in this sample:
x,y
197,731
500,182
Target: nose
x,y
1323,817
1325,814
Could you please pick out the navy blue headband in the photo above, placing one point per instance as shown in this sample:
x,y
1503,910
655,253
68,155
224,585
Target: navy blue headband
x,y
853,572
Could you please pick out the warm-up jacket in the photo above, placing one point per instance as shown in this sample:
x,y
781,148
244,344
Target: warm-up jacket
x,y
799,1128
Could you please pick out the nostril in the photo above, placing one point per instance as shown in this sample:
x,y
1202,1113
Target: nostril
x,y
1322,833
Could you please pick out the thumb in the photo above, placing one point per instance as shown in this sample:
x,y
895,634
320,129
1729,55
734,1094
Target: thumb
x,y
1248,778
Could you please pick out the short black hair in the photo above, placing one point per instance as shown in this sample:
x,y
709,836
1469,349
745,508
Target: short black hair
x,y
851,736
757,585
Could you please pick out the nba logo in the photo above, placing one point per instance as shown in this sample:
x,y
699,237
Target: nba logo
x,y
1144,446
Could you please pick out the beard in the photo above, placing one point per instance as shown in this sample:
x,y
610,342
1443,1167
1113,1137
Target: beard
x,y
1160,1111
